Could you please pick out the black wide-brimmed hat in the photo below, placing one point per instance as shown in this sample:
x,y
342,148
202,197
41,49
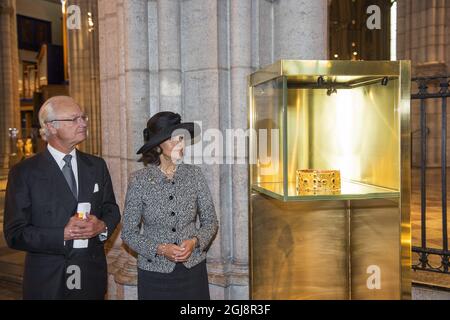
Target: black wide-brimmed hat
x,y
163,125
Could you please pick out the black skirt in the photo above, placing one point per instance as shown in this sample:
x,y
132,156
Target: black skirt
x,y
181,284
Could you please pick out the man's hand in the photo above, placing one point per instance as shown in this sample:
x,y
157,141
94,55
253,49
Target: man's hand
x,y
73,226
83,229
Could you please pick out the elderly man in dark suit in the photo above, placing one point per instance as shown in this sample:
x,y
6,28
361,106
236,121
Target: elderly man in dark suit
x,y
40,210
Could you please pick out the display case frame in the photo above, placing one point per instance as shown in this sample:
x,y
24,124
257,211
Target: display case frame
x,y
376,189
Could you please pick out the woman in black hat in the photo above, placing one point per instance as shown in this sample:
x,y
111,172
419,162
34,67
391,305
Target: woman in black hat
x,y
164,200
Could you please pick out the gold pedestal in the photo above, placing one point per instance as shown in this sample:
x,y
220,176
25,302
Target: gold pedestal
x,y
325,250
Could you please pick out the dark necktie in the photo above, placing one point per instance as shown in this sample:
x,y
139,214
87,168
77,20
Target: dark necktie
x,y
68,174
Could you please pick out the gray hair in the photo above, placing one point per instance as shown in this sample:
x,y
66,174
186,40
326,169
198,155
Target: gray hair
x,y
46,113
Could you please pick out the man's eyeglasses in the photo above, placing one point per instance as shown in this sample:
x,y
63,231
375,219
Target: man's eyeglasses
x,y
75,120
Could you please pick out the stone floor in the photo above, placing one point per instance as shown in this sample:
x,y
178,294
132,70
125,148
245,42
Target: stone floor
x,y
11,261
429,293
13,291
10,290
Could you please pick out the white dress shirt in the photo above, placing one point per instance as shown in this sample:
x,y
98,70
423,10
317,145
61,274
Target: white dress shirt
x,y
59,156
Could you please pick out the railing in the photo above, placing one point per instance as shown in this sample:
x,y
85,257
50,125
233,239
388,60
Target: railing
x,y
441,83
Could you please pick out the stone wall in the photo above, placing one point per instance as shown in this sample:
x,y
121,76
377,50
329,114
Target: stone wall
x,y
192,57
9,66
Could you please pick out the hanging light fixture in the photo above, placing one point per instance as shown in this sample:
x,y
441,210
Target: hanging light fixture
x,y
90,22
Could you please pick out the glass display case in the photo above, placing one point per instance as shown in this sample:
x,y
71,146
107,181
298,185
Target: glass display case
x,y
352,117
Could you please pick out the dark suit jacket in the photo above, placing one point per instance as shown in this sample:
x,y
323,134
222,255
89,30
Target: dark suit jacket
x,y
38,206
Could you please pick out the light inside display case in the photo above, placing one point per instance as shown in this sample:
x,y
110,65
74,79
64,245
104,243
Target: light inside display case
x,y
316,122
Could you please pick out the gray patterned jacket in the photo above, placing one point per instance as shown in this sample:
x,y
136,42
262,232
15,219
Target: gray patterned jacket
x,y
168,211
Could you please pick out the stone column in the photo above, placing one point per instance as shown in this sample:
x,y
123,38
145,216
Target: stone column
x,y
423,37
240,68
136,76
124,81
169,55
109,51
84,84
153,56
9,64
201,99
300,29
262,33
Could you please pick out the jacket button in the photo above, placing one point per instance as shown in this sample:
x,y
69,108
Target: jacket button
x,y
170,197
149,260
172,213
173,182
174,230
